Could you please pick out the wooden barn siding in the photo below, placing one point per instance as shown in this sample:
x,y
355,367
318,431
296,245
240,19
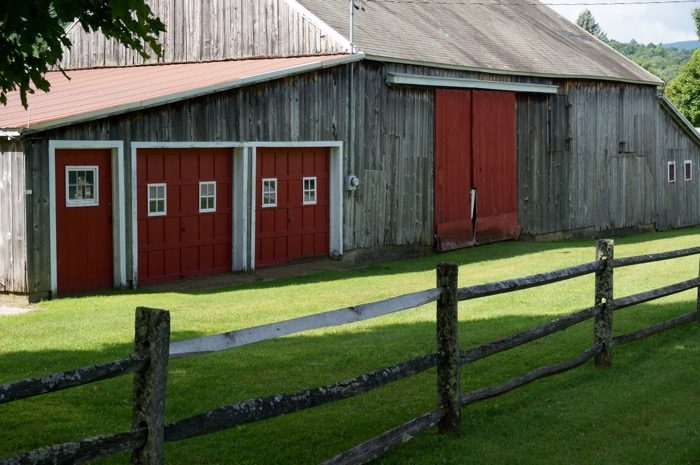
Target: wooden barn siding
x,y
392,136
594,159
13,244
206,30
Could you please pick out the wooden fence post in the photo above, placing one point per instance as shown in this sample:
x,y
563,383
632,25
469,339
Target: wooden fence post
x,y
603,324
448,367
152,339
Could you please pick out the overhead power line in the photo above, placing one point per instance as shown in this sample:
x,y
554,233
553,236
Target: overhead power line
x,y
497,3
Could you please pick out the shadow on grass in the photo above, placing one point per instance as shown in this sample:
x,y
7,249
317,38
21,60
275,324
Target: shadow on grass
x,y
596,402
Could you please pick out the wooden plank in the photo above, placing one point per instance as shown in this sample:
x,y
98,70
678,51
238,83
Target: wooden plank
x,y
370,450
79,452
515,340
510,285
654,294
668,324
448,372
338,317
253,410
655,257
538,373
67,379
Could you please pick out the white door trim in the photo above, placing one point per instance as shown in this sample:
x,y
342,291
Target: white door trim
x,y
118,205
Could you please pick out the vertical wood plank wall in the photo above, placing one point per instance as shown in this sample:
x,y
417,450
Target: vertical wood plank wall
x,y
572,175
205,30
13,243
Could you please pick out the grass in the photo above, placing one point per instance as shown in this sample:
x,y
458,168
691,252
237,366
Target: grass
x,y
642,411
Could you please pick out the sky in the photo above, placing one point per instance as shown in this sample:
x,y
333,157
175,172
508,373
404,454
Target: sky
x,y
657,23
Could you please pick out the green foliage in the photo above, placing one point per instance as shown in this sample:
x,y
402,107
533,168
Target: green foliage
x,y
587,22
660,61
32,35
696,18
684,91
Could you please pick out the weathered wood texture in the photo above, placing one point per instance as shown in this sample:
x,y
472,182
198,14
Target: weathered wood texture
x,y
448,367
594,158
526,282
658,328
654,257
370,450
538,373
152,338
67,379
518,339
338,317
207,30
603,323
254,410
13,240
654,294
79,452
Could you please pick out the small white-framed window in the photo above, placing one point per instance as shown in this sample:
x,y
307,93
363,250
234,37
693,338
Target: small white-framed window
x,y
207,196
688,170
269,192
82,186
310,190
671,171
157,199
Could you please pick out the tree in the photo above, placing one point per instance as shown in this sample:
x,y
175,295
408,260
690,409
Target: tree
x,y
684,90
588,23
696,18
32,35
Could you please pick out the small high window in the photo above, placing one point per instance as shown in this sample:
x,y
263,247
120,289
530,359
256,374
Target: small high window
x,y
671,171
207,196
269,192
310,191
157,199
82,186
688,168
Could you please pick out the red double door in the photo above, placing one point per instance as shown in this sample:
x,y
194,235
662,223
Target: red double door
x,y
184,212
475,168
292,204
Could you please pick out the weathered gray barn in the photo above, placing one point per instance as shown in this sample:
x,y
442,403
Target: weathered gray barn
x,y
239,147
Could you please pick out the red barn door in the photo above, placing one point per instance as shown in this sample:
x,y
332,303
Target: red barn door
x,y
184,212
84,248
292,204
475,167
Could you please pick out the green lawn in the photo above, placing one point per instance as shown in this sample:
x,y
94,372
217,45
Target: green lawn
x,y
645,410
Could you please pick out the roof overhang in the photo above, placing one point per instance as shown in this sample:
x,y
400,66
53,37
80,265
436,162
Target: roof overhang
x,y
59,111
682,121
463,83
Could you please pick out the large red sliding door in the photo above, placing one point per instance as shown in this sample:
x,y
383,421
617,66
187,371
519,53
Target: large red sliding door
x,y
184,212
475,167
84,248
292,204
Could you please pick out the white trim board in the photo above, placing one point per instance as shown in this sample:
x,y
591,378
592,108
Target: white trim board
x,y
118,206
464,83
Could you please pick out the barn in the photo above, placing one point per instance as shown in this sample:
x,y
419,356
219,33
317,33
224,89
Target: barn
x,y
276,130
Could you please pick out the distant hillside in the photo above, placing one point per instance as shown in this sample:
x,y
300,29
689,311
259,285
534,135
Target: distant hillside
x,y
686,45
660,60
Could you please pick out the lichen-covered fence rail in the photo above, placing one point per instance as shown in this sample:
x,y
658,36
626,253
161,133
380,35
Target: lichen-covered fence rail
x,y
152,351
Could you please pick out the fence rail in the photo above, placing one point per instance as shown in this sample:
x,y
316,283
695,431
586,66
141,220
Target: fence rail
x,y
149,364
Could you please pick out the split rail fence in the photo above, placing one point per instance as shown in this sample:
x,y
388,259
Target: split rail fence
x,y
149,363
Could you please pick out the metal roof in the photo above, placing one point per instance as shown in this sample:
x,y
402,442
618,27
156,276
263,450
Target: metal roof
x,y
522,37
94,93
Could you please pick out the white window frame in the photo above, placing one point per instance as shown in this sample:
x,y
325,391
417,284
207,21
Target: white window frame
x,y
91,202
668,172
304,190
269,181
208,196
164,198
686,164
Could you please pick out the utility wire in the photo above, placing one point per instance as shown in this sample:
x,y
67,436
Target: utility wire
x,y
496,2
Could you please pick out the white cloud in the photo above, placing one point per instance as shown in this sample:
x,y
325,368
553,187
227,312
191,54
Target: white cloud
x,y
655,23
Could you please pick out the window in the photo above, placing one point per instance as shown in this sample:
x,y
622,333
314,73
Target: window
x,y
82,186
157,199
207,196
688,165
310,191
671,171
269,192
